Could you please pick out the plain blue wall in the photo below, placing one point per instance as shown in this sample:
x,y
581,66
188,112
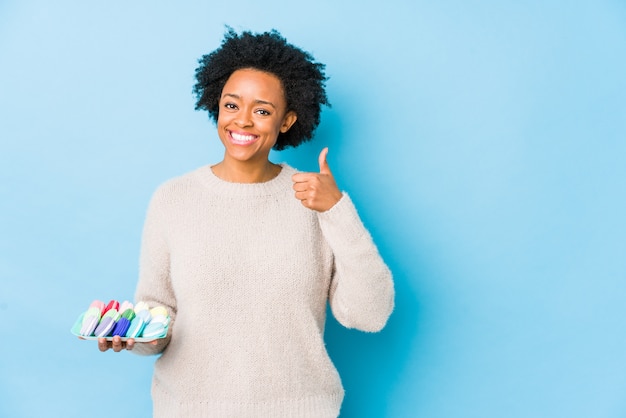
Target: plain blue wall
x,y
484,143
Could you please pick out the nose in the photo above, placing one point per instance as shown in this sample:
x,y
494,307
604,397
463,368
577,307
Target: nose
x,y
243,119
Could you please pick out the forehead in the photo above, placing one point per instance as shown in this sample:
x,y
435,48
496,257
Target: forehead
x,y
250,82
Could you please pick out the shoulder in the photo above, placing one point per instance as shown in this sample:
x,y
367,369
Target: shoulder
x,y
180,187
288,170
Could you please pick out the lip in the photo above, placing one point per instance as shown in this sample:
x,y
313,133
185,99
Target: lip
x,y
242,138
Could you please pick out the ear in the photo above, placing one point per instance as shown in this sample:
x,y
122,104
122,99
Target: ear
x,y
288,121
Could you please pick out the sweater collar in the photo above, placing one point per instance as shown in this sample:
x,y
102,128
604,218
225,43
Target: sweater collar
x,y
280,183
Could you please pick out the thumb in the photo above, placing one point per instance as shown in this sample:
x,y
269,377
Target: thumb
x,y
324,168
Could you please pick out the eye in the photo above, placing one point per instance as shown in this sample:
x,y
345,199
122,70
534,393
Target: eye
x,y
230,106
263,112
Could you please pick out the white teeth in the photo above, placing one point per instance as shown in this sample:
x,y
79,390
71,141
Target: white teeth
x,y
242,138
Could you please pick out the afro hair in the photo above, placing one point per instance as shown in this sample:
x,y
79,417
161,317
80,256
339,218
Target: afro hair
x,y
302,78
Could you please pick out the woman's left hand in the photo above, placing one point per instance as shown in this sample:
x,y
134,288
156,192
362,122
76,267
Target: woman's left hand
x,y
317,191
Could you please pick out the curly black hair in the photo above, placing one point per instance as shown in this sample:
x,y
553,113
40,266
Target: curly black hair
x,y
302,78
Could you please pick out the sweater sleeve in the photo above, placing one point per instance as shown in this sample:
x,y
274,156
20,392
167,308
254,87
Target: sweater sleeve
x,y
154,286
361,292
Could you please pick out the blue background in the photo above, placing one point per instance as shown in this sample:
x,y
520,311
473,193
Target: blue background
x,y
483,142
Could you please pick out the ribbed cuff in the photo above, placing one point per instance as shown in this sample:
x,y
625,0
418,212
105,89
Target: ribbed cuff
x,y
341,224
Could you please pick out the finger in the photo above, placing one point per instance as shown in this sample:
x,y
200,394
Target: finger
x,y
130,343
301,177
103,344
117,344
300,187
302,195
324,167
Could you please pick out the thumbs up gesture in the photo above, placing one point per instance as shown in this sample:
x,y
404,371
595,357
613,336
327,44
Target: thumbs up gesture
x,y
317,191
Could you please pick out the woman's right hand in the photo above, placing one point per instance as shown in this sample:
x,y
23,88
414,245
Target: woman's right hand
x,y
117,344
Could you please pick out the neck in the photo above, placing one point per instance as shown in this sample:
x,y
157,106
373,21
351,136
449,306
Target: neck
x,y
246,173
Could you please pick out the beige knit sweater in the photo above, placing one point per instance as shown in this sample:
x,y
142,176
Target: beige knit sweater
x,y
246,272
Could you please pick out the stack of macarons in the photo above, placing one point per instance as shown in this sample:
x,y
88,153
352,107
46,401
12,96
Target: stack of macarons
x,y
124,320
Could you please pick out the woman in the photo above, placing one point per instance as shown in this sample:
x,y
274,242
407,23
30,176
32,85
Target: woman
x,y
245,254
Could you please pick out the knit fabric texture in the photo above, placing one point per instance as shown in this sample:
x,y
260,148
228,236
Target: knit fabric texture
x,y
246,272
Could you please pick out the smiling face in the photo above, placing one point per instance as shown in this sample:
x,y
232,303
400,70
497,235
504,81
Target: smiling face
x,y
252,112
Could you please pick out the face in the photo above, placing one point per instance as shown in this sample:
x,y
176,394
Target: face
x,y
252,112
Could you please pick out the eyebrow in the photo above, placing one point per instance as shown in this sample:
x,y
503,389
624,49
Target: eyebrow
x,y
259,101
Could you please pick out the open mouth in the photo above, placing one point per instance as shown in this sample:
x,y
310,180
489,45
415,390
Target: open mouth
x,y
242,139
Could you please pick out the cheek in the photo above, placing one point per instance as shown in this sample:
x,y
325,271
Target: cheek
x,y
221,119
